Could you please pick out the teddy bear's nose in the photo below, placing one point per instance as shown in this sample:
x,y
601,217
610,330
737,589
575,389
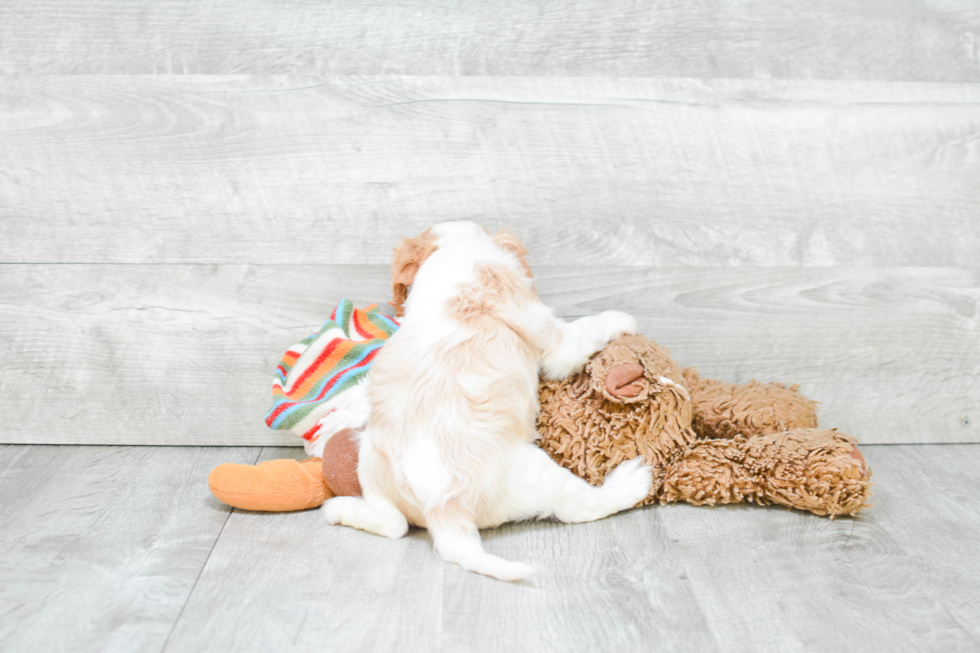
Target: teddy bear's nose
x,y
620,378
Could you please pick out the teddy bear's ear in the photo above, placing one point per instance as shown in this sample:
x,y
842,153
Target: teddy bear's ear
x,y
405,263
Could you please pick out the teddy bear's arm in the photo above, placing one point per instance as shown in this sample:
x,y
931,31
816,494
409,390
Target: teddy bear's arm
x,y
724,410
808,469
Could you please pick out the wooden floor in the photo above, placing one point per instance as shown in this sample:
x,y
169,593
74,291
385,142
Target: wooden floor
x,y
123,549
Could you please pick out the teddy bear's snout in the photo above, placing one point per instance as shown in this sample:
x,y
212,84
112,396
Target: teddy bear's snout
x,y
620,380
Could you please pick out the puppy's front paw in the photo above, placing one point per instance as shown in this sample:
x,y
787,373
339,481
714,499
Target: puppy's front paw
x,y
619,324
629,483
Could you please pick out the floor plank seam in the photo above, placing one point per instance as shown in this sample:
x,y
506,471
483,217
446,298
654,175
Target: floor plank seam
x,y
180,614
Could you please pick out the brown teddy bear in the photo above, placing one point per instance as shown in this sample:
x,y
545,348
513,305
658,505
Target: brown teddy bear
x,y
708,442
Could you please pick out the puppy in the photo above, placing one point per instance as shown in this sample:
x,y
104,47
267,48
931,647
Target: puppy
x,y
449,443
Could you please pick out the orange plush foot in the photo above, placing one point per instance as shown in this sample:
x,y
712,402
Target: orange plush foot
x,y
273,486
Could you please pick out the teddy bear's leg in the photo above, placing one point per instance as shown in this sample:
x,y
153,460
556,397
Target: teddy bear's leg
x,y
273,486
809,469
724,410
538,487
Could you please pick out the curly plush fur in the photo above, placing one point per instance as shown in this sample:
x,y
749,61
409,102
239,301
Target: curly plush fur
x,y
587,429
708,442
727,409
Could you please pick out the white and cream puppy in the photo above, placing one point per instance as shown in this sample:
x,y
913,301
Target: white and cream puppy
x,y
454,397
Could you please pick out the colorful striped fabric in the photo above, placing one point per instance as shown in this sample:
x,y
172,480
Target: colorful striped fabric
x,y
315,377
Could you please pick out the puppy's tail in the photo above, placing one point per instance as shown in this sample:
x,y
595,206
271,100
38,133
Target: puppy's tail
x,y
457,539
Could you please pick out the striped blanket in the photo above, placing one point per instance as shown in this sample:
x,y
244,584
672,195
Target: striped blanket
x,y
320,385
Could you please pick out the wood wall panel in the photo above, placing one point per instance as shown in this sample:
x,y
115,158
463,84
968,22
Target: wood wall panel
x,y
120,354
644,172
780,190
936,40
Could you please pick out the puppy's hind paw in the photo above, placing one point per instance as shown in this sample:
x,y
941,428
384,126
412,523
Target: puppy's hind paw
x,y
355,512
334,511
629,483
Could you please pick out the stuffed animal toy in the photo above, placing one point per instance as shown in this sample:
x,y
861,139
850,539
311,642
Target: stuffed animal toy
x,y
708,442
319,392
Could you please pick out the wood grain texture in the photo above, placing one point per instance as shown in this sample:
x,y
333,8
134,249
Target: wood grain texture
x,y
611,585
335,588
158,354
927,502
289,581
775,580
102,545
724,173
119,354
124,548
881,39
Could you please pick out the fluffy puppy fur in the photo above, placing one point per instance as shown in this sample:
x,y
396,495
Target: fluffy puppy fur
x,y
449,444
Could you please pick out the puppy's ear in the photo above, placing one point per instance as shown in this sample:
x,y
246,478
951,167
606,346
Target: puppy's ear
x,y
408,258
399,293
510,243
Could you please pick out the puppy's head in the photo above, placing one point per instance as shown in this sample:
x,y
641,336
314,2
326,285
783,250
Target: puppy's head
x,y
411,253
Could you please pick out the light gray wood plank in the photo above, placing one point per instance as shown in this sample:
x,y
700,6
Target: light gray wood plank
x,y
611,585
892,355
361,592
740,578
104,549
769,579
926,499
184,354
773,580
102,545
883,39
278,581
122,354
722,173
